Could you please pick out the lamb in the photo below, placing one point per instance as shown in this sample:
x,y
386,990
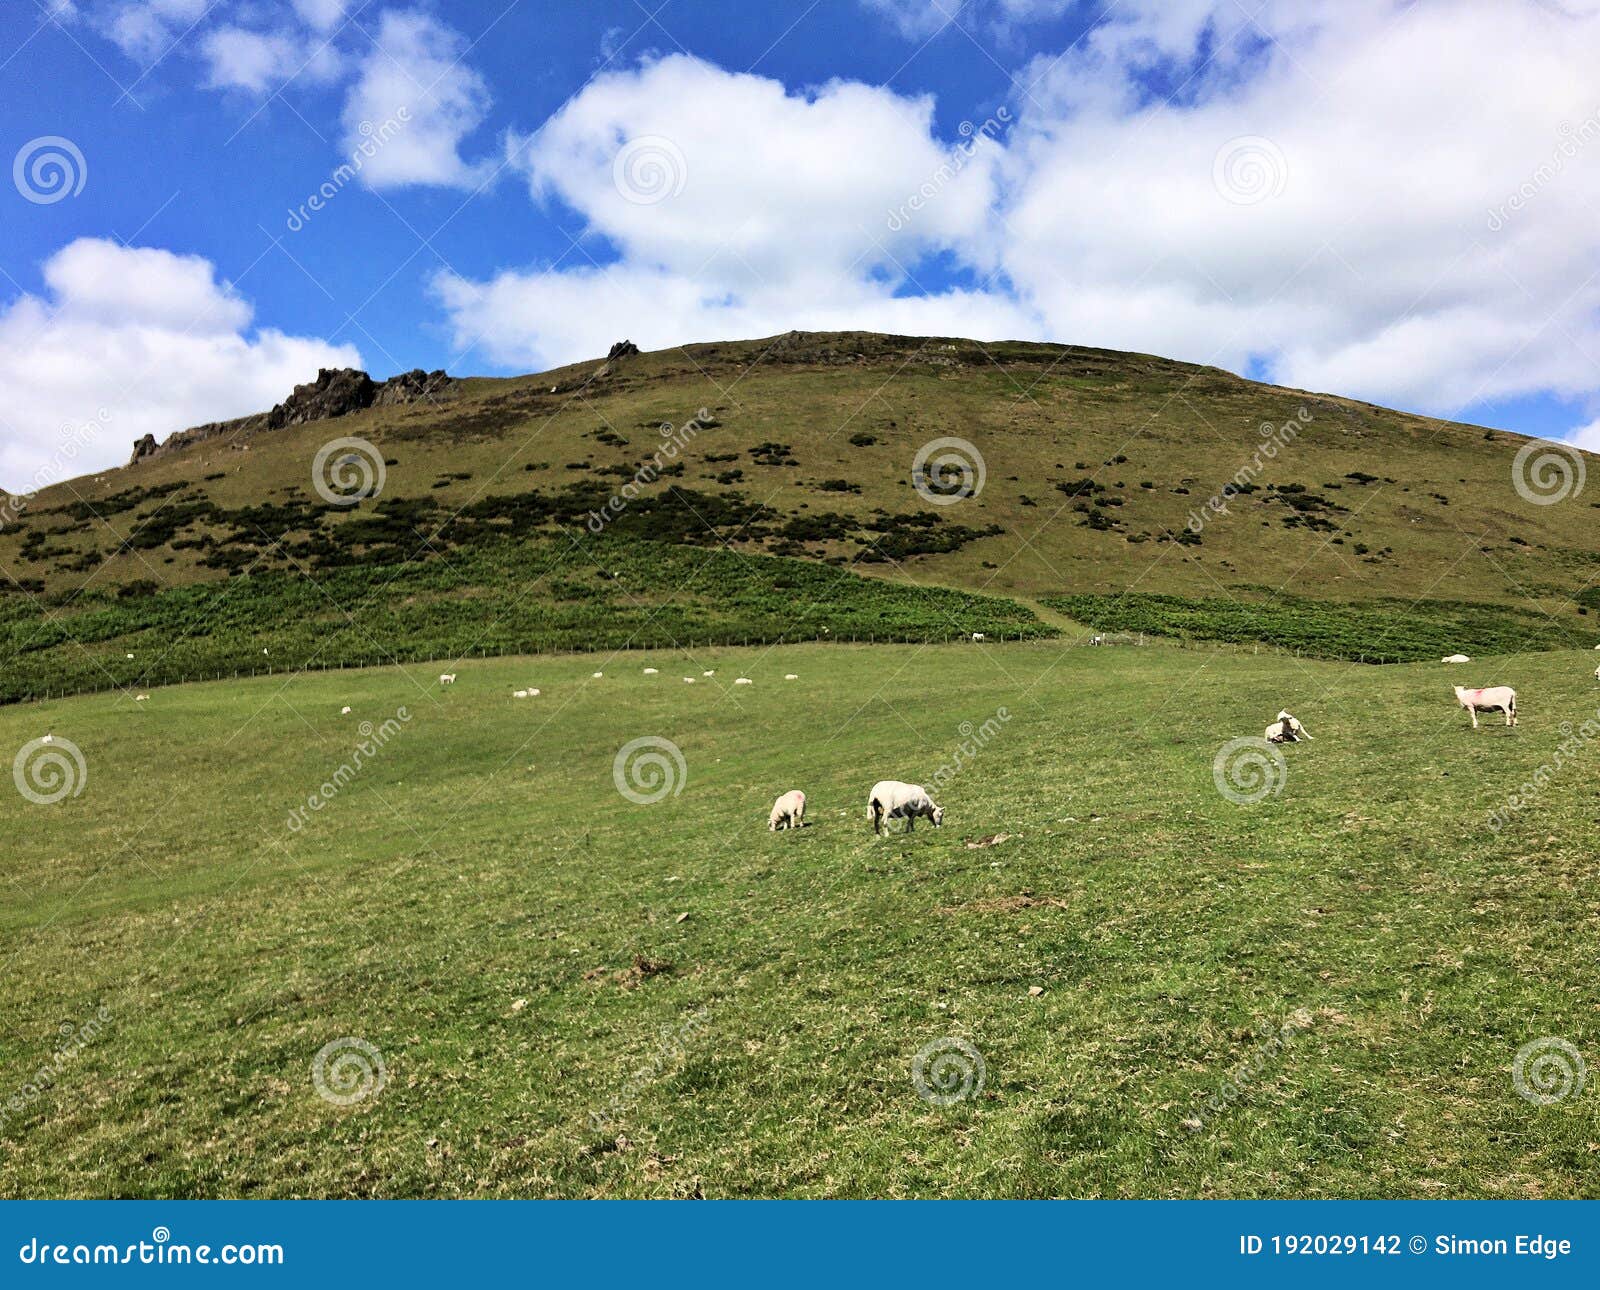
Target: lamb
x,y
1495,698
1455,658
892,800
447,678
597,675
1285,730
788,811
343,712
712,672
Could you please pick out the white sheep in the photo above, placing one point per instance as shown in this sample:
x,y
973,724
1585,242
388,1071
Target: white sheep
x,y
650,671
788,811
597,675
343,712
977,636
1597,674
688,680
1496,698
743,680
519,694
140,698
791,676
1455,658
447,678
1286,730
712,672
892,800
48,739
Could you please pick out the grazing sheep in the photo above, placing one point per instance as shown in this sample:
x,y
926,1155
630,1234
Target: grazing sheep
x,y
788,811
533,694
791,676
343,712
48,739
598,675
1455,658
688,680
519,694
892,800
447,678
743,680
712,672
1286,730
650,671
977,636
1496,698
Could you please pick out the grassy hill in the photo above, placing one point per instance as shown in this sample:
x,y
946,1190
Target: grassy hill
x,y
571,993
1096,472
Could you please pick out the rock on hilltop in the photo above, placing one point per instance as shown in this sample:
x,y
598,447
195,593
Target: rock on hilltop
x,y
336,392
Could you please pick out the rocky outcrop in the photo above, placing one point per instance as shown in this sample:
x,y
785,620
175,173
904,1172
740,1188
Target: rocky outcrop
x,y
337,392
621,350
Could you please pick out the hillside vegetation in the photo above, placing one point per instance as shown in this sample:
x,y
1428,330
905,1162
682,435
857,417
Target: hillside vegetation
x,y
1096,471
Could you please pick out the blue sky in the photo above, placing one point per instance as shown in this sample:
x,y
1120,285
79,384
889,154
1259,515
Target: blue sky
x,y
1323,195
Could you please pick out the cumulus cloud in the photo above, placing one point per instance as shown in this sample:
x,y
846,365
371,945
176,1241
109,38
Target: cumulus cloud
x,y
238,58
738,208
146,30
128,341
417,73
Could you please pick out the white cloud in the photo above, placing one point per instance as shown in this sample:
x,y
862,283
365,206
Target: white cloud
x,y
417,72
129,341
1586,437
321,15
239,58
738,209
146,30
921,19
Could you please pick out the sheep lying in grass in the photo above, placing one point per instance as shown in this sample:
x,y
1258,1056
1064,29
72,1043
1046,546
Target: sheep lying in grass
x,y
1286,730
743,680
1455,658
788,811
650,671
892,800
1496,698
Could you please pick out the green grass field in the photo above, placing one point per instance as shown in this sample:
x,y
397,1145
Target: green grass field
x,y
576,995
